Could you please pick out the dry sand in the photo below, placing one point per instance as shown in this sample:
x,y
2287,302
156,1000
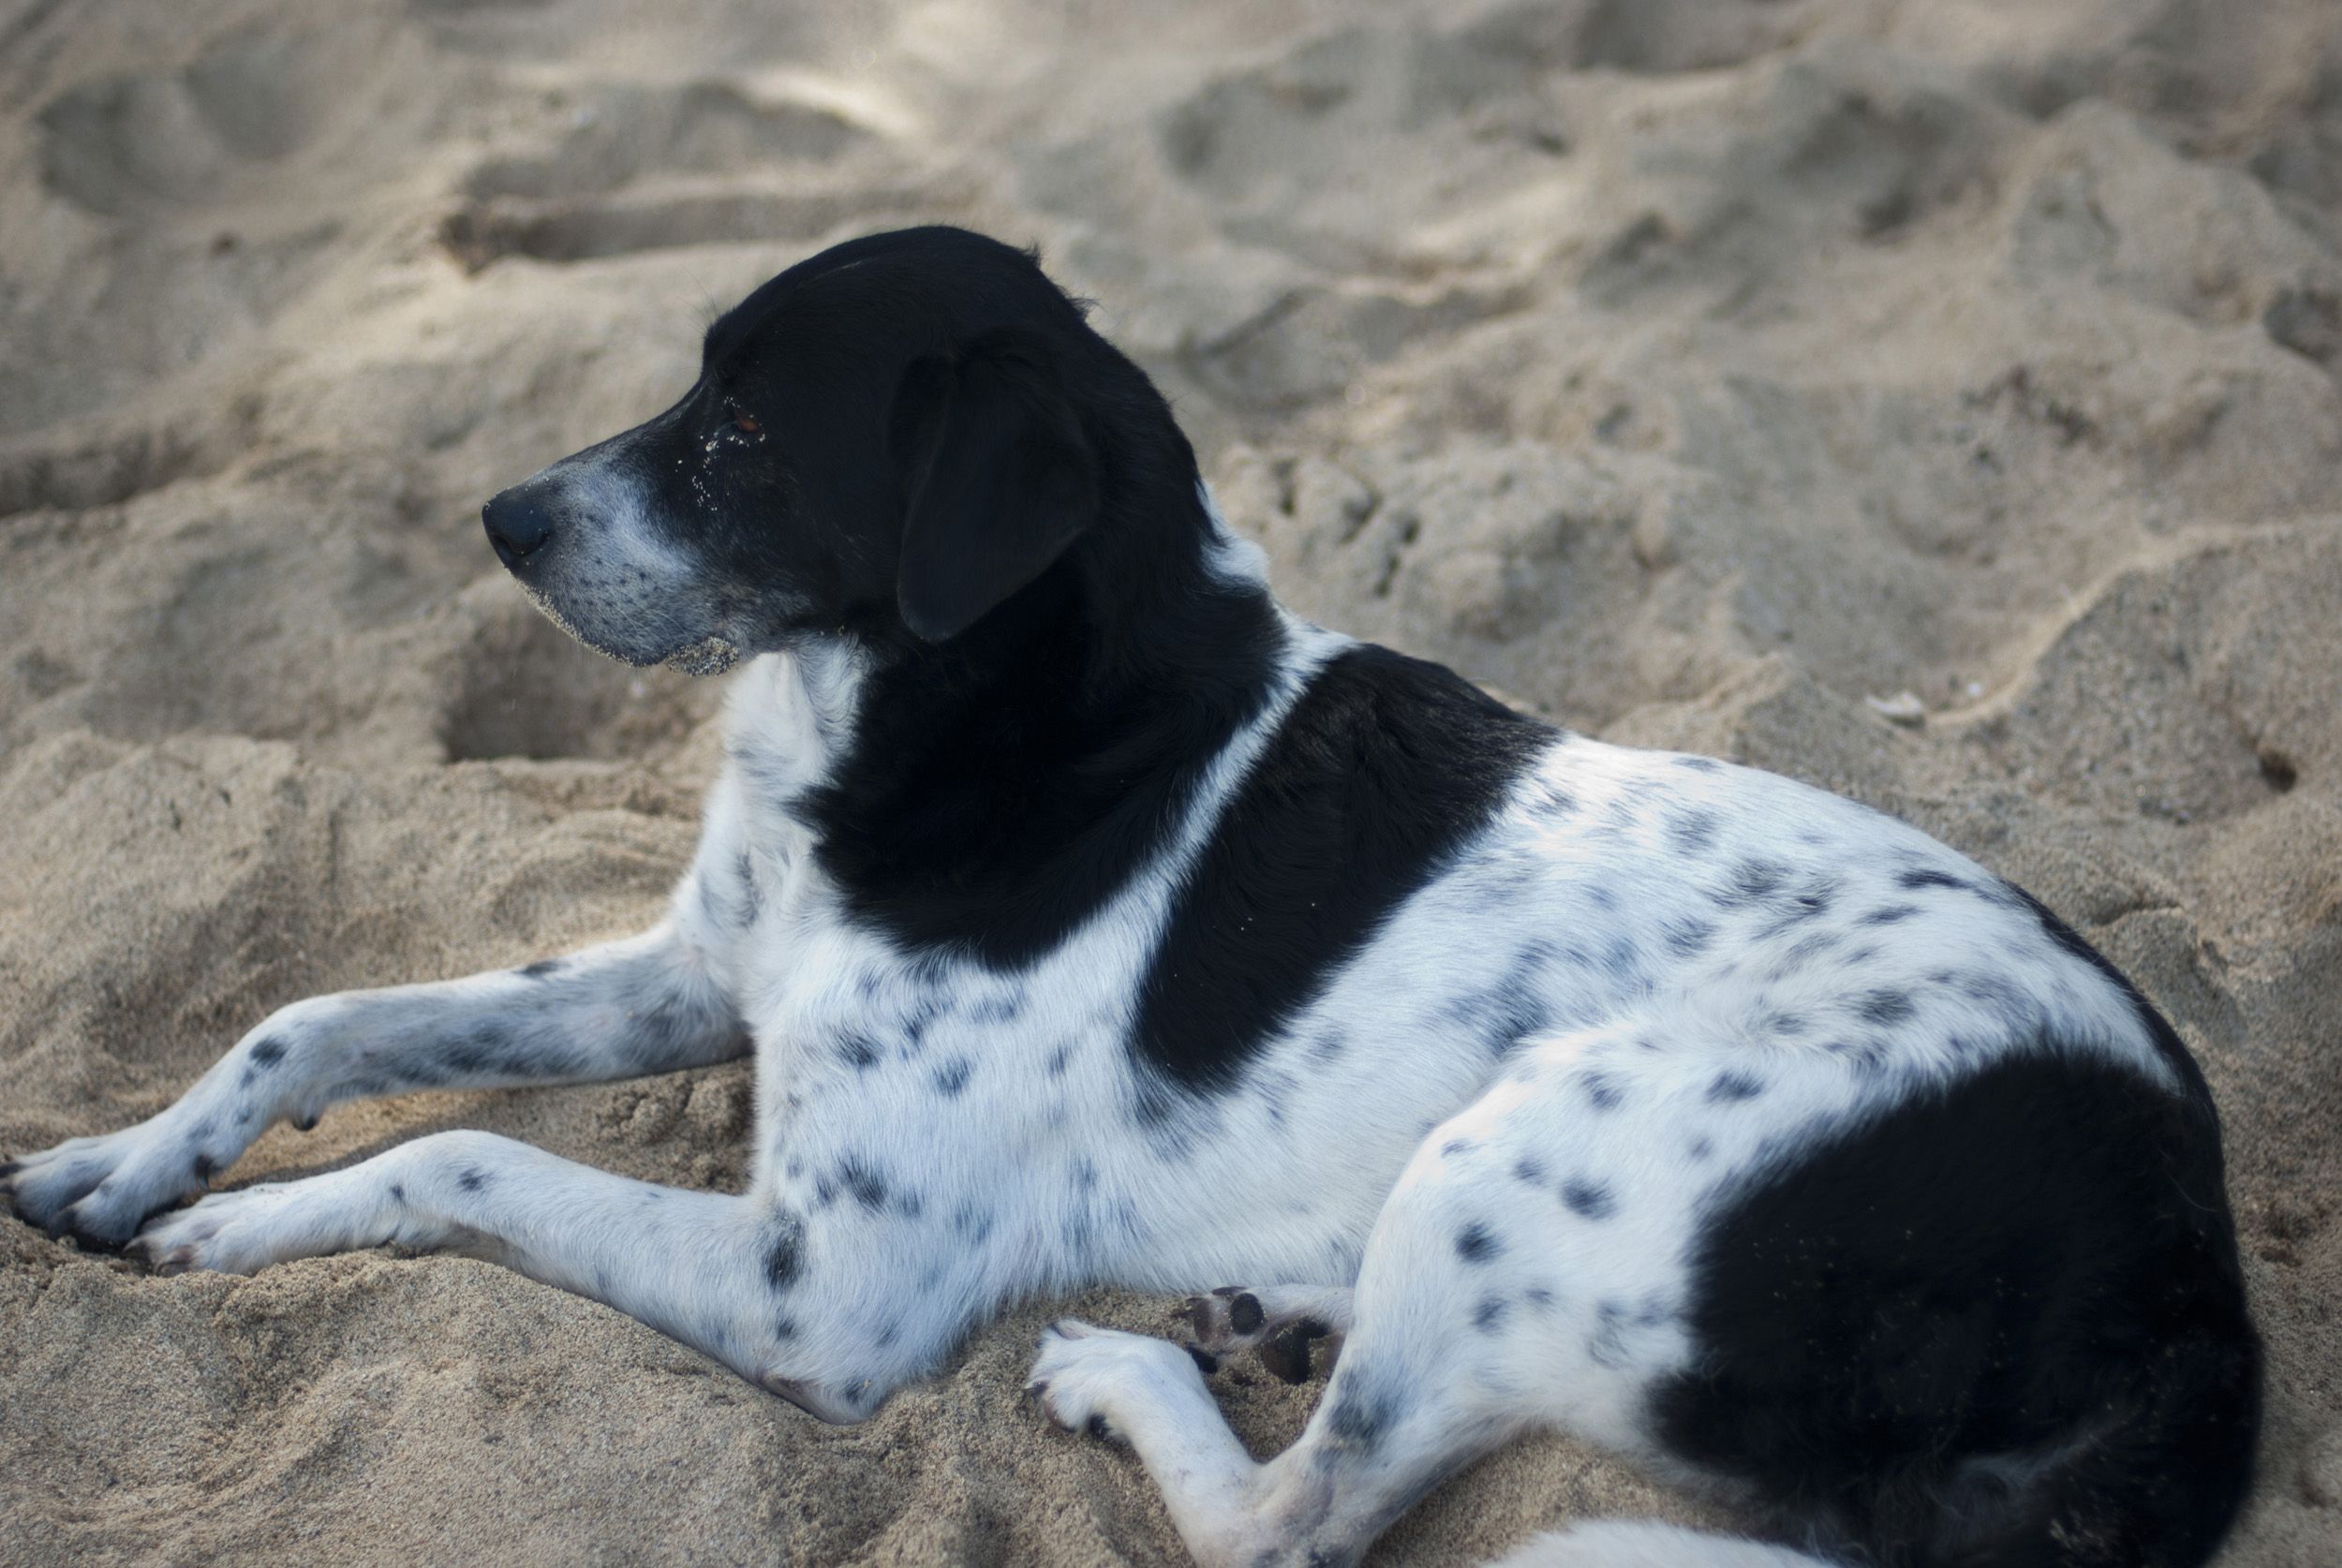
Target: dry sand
x,y
1692,370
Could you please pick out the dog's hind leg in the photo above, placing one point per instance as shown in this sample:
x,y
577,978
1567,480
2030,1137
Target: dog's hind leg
x,y
1418,1393
1525,1272
645,1005
1396,1418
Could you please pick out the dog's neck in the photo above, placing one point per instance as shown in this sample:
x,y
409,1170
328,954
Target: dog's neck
x,y
988,793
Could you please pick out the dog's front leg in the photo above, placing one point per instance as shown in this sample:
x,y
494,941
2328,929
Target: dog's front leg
x,y
645,1005
741,1279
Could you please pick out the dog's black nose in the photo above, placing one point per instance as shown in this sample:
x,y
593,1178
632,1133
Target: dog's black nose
x,y
518,525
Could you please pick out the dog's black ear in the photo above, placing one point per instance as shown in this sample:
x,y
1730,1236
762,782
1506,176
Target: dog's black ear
x,y
1001,478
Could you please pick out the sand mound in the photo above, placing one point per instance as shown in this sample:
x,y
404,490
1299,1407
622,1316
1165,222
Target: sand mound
x,y
1692,370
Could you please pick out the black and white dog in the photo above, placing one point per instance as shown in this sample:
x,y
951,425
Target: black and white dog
x,y
1093,920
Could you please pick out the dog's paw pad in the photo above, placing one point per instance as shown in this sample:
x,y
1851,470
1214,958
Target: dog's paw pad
x,y
1285,1354
1281,1328
1229,1318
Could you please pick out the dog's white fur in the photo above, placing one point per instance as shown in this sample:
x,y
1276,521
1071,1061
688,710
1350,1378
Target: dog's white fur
x,y
911,1179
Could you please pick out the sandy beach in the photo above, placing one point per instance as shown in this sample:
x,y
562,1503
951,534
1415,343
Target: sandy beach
x,y
1939,402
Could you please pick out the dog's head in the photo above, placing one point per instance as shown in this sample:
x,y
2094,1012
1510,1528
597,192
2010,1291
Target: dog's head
x,y
887,441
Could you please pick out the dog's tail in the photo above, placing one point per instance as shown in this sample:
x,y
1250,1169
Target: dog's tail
x,y
1638,1544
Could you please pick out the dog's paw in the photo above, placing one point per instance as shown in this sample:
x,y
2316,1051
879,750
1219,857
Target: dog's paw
x,y
1082,1373
245,1230
98,1189
1284,1324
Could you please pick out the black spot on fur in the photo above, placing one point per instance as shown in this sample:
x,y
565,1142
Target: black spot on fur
x,y
1476,1244
1729,1087
1058,1059
1912,882
486,1049
1698,765
999,1009
1381,768
543,969
1689,938
1885,1008
1753,882
1997,993
914,1027
1272,1094
952,1077
1512,1010
751,896
1531,1170
1363,1412
1454,1146
1692,831
858,1050
473,1179
1785,914
867,1185
267,1051
1888,914
1589,1200
2029,1273
784,1254
398,1192
203,1166
1602,1091
1488,1316
1803,952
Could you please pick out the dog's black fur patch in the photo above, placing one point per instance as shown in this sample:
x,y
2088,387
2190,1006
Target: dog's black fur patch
x,y
2003,1323
1007,780
1382,768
